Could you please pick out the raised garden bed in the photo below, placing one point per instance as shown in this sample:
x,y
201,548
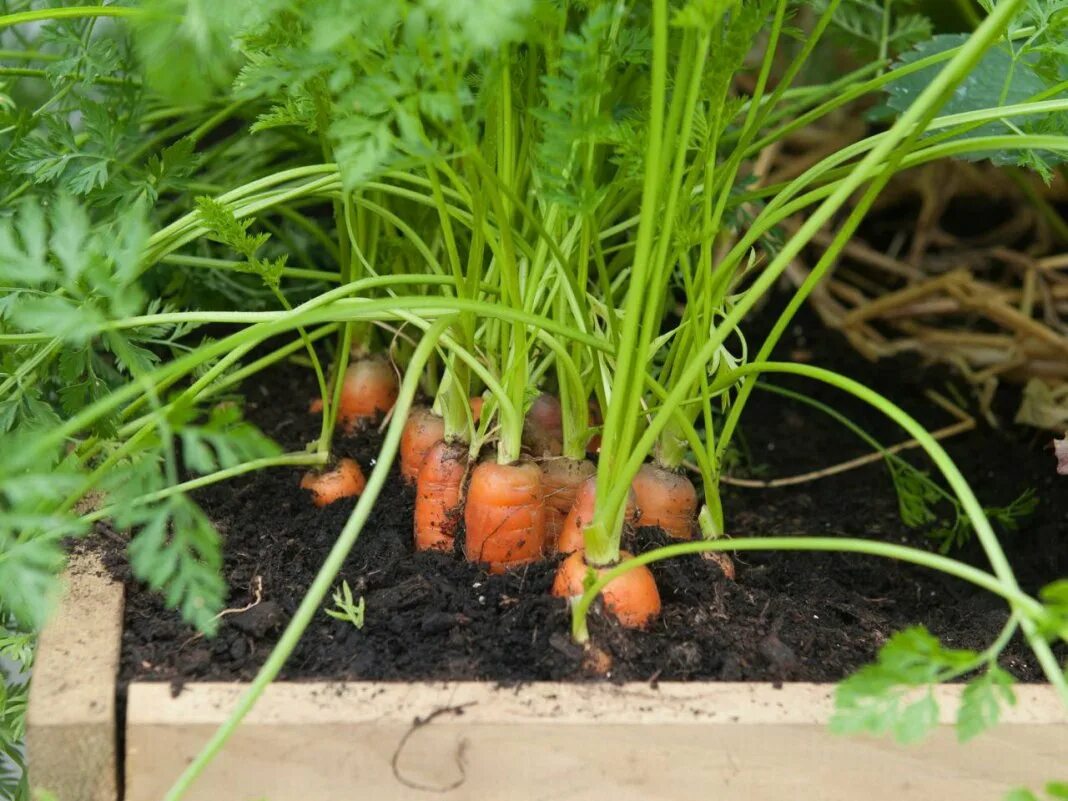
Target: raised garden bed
x,y
320,741
741,703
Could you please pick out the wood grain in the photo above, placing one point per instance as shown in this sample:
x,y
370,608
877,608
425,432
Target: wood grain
x,y
323,742
70,734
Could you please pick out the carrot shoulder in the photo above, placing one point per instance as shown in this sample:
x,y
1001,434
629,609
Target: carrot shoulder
x,y
346,480
632,598
504,515
422,431
666,499
438,490
368,389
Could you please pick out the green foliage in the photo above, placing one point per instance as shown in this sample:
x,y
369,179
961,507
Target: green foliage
x,y
198,35
1055,598
894,696
924,504
1009,73
1054,791
876,29
577,117
387,85
31,530
345,608
176,549
506,140
16,649
70,280
224,227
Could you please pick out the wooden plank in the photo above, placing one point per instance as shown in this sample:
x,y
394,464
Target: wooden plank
x,y
70,724
731,742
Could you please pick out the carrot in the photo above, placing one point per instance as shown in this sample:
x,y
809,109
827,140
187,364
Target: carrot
x,y
437,495
422,431
571,537
316,406
368,389
476,407
505,516
344,481
561,479
543,432
632,598
666,499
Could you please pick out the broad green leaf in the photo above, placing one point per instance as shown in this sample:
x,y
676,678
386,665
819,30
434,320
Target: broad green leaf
x,y
1003,77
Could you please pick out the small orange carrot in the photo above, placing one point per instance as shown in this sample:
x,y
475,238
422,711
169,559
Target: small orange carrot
x,y
316,406
666,499
476,407
344,481
368,389
561,478
581,513
543,430
505,515
422,431
632,598
437,496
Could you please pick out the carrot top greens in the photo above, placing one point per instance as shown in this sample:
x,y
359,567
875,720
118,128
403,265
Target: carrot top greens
x,y
488,200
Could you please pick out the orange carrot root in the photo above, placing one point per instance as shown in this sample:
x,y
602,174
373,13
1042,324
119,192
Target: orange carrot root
x,y
316,406
505,516
580,515
666,499
561,479
368,389
344,481
476,408
543,432
422,431
437,496
632,598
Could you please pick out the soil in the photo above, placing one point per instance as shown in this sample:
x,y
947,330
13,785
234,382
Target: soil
x,y
786,617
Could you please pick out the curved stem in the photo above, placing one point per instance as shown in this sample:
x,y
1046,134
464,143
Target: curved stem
x,y
40,15
903,553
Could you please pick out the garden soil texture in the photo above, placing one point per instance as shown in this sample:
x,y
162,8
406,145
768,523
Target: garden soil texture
x,y
786,617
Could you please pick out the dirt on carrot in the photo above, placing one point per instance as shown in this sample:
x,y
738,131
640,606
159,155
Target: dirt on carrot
x,y
438,495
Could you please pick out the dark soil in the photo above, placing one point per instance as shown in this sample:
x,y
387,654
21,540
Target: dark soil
x,y
787,617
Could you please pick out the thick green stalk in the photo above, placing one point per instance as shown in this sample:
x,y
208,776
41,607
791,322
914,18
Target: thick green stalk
x,y
620,416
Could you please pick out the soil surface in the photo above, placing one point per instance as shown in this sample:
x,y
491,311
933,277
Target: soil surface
x,y
786,617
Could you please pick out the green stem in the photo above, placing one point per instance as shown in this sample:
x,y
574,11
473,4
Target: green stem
x,y
39,15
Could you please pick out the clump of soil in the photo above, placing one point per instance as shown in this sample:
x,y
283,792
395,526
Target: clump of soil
x,y
787,616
